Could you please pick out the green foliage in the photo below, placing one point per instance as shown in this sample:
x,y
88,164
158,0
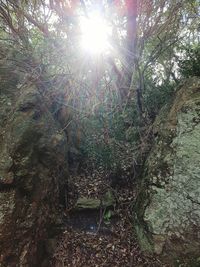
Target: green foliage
x,y
43,43
156,96
111,138
107,216
190,64
98,146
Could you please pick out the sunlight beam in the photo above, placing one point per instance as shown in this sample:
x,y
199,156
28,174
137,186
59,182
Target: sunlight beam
x,y
94,34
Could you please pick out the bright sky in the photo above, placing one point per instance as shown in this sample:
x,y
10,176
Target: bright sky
x,y
94,33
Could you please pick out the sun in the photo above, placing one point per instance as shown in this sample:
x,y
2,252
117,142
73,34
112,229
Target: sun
x,y
94,34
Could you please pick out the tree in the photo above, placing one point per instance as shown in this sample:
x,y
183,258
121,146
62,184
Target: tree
x,y
115,87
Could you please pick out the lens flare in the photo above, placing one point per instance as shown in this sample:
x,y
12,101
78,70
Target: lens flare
x,y
94,34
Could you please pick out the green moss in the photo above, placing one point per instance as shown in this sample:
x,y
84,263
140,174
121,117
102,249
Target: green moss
x,y
87,203
92,203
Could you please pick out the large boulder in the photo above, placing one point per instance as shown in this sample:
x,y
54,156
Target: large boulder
x,y
168,205
33,174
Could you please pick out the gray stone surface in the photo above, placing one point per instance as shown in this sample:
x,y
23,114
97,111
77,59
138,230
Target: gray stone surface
x,y
170,203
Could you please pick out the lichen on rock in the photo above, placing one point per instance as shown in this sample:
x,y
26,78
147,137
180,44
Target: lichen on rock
x,y
172,172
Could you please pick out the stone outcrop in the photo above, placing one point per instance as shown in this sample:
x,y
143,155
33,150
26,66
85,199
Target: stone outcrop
x,y
168,205
84,203
33,173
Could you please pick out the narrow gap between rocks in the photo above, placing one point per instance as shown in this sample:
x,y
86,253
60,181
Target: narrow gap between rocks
x,y
97,226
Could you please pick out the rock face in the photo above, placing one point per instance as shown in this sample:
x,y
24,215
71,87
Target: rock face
x,y
33,172
168,207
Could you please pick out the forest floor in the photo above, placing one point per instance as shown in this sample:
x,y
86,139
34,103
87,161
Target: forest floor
x,y
93,238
